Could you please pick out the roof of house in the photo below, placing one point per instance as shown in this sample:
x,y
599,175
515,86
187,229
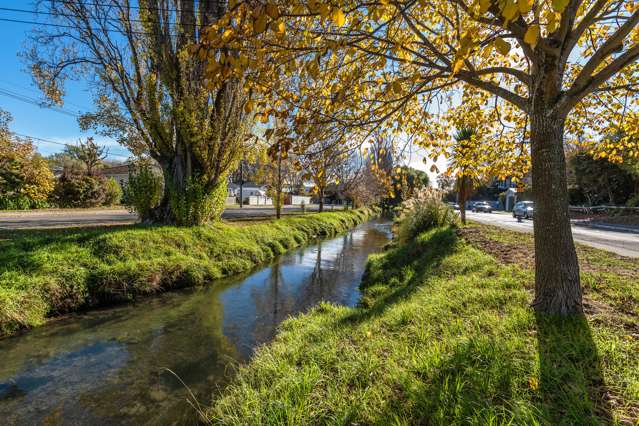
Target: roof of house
x,y
115,170
245,185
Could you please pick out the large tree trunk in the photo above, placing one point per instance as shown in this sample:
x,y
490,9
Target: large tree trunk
x,y
557,286
321,200
188,198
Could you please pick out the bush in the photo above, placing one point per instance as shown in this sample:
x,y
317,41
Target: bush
x,y
144,190
423,212
25,178
21,202
197,205
78,190
113,192
633,201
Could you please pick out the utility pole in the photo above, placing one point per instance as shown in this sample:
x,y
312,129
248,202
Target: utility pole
x,y
241,183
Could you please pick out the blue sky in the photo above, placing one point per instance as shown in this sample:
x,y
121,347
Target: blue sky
x,y
30,119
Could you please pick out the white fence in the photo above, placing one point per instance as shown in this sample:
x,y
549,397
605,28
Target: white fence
x,y
259,200
300,199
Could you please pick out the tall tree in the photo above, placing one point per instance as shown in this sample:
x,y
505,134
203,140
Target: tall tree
x,y
151,93
541,64
463,161
88,153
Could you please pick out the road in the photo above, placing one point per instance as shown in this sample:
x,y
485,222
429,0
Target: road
x,y
45,219
620,242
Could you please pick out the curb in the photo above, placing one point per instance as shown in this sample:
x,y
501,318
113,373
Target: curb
x,y
617,228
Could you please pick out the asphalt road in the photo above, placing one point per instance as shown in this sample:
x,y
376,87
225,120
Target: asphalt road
x,y
45,219
620,242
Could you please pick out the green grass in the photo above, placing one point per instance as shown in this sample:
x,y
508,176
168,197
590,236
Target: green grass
x,y
45,273
444,335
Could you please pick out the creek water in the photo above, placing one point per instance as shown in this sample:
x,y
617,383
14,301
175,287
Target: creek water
x,y
116,365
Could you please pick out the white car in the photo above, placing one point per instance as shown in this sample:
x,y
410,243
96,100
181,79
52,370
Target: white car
x,y
524,210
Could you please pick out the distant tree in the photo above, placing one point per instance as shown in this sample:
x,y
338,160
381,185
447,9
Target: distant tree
x,y
368,189
600,181
445,182
463,162
61,161
278,171
321,164
89,153
407,180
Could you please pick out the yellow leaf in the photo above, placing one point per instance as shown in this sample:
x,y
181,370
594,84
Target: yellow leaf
x,y
533,383
458,65
259,24
502,46
280,28
559,5
532,35
324,10
525,6
553,22
248,107
338,17
510,10
484,5
272,11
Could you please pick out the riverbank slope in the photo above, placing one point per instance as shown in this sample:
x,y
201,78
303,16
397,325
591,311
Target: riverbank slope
x,y
445,335
46,273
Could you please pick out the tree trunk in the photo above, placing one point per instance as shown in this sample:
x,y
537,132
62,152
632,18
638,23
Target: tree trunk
x,y
463,194
278,206
321,200
557,286
462,211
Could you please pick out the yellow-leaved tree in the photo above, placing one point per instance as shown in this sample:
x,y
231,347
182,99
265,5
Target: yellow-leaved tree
x,y
543,65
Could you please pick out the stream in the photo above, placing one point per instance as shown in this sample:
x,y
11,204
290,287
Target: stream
x,y
120,365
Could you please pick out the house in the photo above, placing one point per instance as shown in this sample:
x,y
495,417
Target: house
x,y
119,173
251,193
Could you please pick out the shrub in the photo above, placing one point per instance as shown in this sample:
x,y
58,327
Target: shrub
x,y
633,201
424,211
144,190
78,190
196,204
113,192
25,178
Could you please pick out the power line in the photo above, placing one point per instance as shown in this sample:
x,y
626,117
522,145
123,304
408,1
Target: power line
x,y
37,139
33,101
32,90
163,9
68,15
73,15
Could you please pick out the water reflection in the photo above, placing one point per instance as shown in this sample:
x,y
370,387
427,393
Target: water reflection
x,y
108,366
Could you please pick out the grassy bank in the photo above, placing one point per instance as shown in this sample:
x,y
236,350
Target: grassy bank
x,y
44,273
445,335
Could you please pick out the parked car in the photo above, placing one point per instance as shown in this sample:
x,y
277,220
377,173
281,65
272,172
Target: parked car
x,y
482,206
524,209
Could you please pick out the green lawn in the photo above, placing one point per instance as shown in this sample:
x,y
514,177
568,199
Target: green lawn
x,y
445,335
44,273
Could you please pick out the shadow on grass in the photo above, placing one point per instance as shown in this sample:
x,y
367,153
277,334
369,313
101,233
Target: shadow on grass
x,y
400,272
475,383
571,385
